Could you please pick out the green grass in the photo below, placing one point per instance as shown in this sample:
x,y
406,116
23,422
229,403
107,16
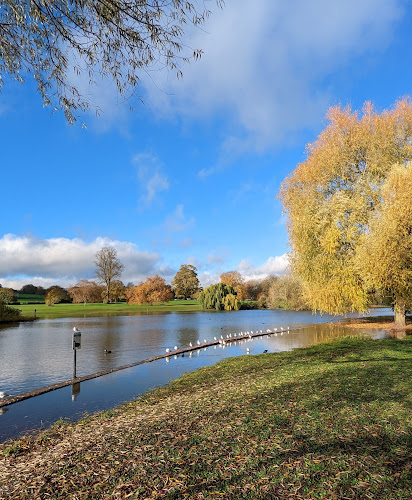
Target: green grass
x,y
329,422
120,308
23,298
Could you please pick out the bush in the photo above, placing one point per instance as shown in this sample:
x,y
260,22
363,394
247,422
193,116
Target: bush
x,y
250,304
214,297
8,314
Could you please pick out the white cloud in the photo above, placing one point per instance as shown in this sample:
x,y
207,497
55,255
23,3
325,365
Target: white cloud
x,y
274,265
27,259
178,221
206,279
217,256
264,65
151,179
193,261
186,243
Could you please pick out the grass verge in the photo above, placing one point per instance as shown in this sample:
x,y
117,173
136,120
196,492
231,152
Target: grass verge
x,y
376,323
328,422
118,309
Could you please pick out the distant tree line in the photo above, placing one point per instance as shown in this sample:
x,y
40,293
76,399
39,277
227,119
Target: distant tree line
x,y
273,292
232,293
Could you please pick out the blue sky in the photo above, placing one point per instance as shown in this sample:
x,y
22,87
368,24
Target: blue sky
x,y
192,175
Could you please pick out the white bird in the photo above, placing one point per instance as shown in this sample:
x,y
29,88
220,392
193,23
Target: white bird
x,y
204,341
215,338
221,337
76,330
248,350
276,329
230,335
175,347
281,329
198,342
167,350
268,331
3,394
191,345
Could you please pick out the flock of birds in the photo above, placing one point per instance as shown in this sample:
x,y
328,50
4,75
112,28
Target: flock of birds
x,y
240,337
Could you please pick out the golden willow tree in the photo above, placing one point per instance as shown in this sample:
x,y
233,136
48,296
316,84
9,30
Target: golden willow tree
x,y
350,211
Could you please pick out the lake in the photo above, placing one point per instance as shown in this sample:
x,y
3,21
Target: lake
x,y
37,354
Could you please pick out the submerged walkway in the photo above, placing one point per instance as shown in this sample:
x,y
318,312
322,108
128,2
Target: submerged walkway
x,y
9,400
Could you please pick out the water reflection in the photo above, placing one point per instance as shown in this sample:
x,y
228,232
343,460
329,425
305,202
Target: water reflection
x,y
37,354
75,390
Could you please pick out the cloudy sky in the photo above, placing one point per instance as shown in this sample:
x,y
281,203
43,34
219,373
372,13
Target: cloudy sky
x,y
192,175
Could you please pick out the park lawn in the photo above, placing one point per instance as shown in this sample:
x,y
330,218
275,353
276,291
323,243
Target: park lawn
x,y
24,298
328,422
120,309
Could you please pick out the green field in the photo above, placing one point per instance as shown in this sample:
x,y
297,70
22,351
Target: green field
x,y
119,309
330,422
23,298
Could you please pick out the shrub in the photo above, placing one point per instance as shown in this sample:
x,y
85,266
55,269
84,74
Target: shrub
x,y
8,314
213,297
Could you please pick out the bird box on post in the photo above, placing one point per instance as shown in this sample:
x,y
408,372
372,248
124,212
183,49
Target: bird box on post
x,y
77,339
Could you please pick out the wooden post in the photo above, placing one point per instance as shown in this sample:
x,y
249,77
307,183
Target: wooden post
x,y
77,342
74,363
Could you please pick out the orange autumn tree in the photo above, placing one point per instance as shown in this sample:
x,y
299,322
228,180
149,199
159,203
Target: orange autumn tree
x,y
343,204
154,289
236,281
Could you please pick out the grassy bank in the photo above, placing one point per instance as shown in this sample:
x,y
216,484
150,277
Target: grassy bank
x,y
377,323
332,421
120,308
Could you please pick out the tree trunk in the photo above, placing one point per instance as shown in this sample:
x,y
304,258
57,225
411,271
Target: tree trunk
x,y
400,313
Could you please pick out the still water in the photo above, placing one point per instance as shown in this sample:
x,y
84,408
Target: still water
x,y
37,354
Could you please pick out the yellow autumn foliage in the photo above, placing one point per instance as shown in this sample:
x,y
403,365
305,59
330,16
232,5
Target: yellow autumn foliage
x,y
347,206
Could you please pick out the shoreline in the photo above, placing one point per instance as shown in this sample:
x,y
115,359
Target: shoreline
x,y
299,424
375,323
